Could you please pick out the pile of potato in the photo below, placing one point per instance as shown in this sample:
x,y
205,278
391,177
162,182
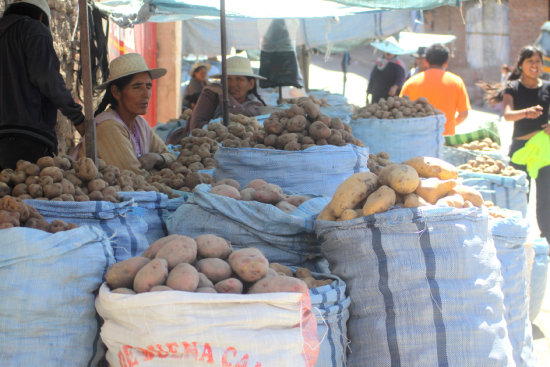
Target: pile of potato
x,y
301,273
258,190
396,108
486,145
399,185
204,264
60,178
320,102
485,164
377,161
15,213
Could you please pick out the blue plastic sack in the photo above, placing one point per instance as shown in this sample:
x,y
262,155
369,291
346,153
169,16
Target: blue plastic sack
x,y
331,307
318,170
288,239
508,192
154,211
122,222
539,277
425,287
48,290
402,139
509,235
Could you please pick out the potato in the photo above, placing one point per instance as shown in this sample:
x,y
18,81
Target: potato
x,y
8,217
153,273
470,194
160,288
96,185
20,189
248,194
297,200
318,130
269,194
13,204
32,170
321,282
204,281
209,245
52,190
215,269
281,269
312,110
184,277
180,249
45,162
349,214
256,184
226,190
278,283
303,273
228,181
379,201
37,223
249,264
85,169
122,274
433,189
152,250
229,285
327,214
123,291
433,167
272,126
400,177
96,196
206,290
351,192
63,162
455,201
285,206
4,189
53,172
412,200
296,124
57,225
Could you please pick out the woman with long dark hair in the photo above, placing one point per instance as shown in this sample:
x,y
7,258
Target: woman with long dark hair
x,y
526,99
124,138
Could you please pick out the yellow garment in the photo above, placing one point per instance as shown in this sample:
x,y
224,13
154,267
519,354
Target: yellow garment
x,y
535,154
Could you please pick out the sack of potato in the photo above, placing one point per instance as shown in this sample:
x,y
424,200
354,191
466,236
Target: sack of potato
x,y
505,186
173,290
405,271
48,290
509,234
465,152
418,182
263,217
401,127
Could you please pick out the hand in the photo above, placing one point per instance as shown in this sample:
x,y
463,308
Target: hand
x,y
546,128
533,112
150,160
80,129
392,90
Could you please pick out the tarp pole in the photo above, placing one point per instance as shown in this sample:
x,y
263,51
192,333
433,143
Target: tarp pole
x,y
225,99
89,124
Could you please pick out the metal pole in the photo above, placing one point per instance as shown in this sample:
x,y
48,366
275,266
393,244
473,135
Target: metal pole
x,y
225,99
89,124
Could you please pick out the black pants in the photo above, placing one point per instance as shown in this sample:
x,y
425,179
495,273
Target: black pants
x,y
542,183
16,147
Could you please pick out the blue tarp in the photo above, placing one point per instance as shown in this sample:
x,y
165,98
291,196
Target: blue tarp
x,y
401,4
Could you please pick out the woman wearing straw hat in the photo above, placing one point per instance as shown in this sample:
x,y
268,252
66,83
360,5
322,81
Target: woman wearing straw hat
x,y
199,76
124,138
243,97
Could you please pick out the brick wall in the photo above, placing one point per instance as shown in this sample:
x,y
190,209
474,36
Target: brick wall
x,y
525,22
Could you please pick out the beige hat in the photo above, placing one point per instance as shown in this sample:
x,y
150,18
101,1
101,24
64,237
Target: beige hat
x,y
238,65
129,64
197,65
42,4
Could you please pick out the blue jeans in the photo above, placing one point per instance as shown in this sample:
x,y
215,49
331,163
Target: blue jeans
x,y
542,183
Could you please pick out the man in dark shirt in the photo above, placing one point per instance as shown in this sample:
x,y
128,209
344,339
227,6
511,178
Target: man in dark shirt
x,y
386,79
31,87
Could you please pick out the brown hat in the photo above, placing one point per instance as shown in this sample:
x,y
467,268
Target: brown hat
x,y
238,65
129,64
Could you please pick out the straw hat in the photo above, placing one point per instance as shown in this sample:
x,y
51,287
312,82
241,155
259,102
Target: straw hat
x,y
129,64
197,65
42,4
238,65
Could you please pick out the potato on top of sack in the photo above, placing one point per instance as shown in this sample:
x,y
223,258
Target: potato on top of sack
x,y
419,181
205,264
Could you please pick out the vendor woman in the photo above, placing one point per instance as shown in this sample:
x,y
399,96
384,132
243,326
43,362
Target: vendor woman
x,y
124,138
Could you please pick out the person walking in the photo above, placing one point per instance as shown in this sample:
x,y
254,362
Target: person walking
x,y
420,62
31,87
386,78
444,90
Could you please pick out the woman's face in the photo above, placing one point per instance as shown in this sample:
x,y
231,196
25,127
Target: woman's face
x,y
532,66
133,99
200,74
238,86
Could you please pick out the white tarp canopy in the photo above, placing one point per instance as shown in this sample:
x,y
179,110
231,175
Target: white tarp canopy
x,y
409,42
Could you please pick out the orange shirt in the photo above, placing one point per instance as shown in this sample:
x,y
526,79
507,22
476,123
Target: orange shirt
x,y
443,89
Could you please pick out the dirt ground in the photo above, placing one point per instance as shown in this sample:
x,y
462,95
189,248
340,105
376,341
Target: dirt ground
x,y
326,73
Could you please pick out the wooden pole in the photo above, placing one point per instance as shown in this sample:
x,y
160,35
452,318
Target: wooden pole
x,y
89,124
225,99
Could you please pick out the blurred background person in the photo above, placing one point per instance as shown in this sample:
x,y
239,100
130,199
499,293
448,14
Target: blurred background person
x,y
420,62
386,78
199,79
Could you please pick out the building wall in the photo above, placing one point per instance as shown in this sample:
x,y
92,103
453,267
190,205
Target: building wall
x,y
525,22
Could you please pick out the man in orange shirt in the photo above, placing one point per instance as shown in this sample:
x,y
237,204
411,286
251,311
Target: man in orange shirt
x,y
444,90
